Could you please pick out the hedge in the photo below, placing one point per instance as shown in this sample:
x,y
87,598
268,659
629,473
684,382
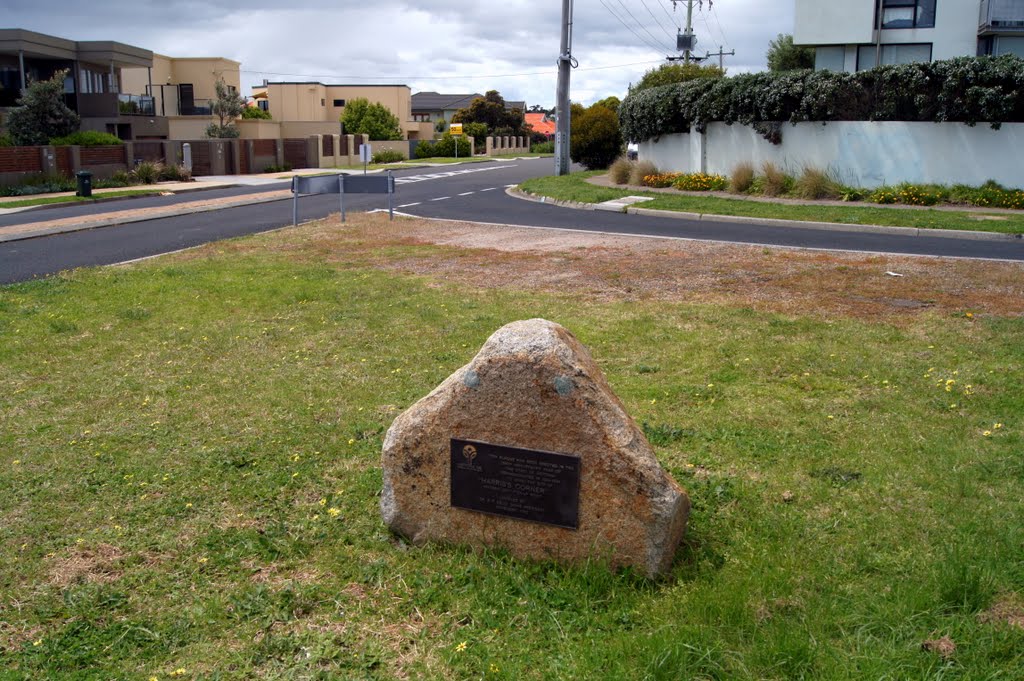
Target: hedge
x,y
965,89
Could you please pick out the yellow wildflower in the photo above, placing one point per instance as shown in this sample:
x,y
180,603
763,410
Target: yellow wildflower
x,y
334,512
461,647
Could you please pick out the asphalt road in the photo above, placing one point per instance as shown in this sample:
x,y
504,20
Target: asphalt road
x,y
474,192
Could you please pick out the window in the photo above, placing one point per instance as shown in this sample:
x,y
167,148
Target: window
x,y
421,117
339,102
263,104
893,54
908,13
323,102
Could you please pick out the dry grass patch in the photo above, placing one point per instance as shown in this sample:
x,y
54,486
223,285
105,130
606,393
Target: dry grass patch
x,y
611,268
93,564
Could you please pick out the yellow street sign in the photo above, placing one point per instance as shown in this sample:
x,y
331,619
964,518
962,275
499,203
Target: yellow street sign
x,y
455,128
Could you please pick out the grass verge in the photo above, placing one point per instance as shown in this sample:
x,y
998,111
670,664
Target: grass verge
x,y
575,188
190,456
21,203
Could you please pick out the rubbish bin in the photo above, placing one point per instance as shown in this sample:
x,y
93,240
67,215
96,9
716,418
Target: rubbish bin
x,y
84,183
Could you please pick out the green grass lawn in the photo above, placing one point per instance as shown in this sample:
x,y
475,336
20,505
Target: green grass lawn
x,y
574,188
190,477
21,203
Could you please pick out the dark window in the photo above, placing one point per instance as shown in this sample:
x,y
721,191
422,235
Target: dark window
x,y
323,102
339,102
263,104
899,53
908,13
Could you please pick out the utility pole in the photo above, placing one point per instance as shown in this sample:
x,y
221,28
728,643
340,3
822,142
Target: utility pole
x,y
684,41
720,55
562,123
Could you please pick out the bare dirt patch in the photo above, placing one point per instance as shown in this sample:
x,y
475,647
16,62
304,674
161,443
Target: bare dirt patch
x,y
943,647
1007,610
93,564
622,268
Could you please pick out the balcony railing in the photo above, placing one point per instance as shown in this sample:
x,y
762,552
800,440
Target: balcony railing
x,y
1001,15
200,107
136,105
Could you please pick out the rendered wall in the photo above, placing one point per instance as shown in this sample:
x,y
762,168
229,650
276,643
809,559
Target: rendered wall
x,y
862,153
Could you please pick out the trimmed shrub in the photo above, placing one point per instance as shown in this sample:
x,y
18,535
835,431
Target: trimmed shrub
x,y
87,138
283,168
620,170
595,139
254,113
642,169
387,156
5,140
147,172
425,149
547,147
445,147
742,177
965,89
701,182
815,183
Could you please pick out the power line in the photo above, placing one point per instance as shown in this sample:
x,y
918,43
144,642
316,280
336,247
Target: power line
x,y
670,35
495,75
630,29
639,23
714,13
673,21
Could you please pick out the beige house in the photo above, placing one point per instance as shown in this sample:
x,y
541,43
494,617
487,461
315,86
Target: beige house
x,y
182,89
314,102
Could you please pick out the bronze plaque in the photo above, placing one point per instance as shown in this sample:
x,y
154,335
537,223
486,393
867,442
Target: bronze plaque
x,y
542,487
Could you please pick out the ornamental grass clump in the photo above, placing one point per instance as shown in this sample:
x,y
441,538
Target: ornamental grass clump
x,y
815,183
742,178
701,182
775,182
642,169
620,170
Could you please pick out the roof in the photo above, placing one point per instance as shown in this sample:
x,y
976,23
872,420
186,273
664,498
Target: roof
x,y
40,45
435,101
539,124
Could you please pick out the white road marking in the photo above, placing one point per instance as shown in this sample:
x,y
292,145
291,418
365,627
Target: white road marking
x,y
489,189
406,205
441,198
408,179
466,193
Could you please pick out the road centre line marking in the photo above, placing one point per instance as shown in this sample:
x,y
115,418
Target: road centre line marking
x,y
406,205
489,189
466,193
441,198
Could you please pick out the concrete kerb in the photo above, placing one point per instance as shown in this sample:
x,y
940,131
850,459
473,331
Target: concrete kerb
x,y
769,222
100,198
95,224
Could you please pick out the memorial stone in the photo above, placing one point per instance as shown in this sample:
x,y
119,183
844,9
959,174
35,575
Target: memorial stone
x,y
527,448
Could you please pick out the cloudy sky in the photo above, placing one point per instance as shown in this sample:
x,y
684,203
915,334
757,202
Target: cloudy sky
x,y
441,45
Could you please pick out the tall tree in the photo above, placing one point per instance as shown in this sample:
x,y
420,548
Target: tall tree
x,y
783,55
492,112
666,74
226,106
361,117
612,103
41,113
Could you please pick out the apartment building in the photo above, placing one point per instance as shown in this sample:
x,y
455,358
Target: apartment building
x,y
853,35
94,86
323,103
183,86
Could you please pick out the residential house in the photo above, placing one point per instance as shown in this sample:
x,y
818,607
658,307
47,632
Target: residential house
x,y
321,105
183,89
94,86
431,107
542,123
852,35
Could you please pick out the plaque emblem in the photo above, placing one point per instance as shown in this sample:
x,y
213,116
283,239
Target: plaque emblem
x,y
469,451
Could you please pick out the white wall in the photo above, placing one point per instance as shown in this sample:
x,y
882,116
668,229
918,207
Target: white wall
x,y
833,22
859,153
